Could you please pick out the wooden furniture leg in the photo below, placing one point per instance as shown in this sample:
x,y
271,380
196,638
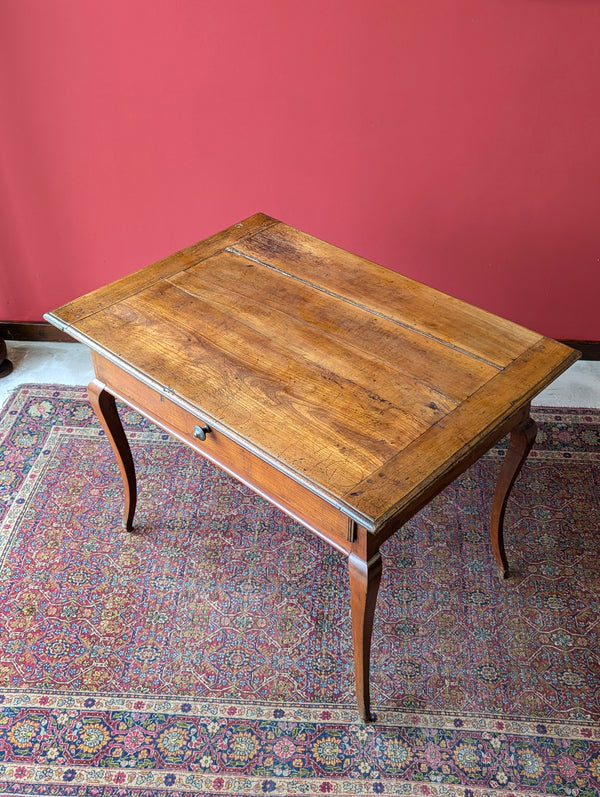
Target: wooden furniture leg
x,y
105,408
365,577
522,438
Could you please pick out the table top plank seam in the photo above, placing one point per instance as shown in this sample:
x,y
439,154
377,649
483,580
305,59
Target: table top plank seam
x,y
341,342
372,311
448,372
430,310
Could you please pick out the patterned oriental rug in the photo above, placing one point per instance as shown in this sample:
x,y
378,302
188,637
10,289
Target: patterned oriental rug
x,y
209,652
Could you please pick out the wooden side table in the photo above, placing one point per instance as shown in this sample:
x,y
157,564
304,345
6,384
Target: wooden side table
x,y
344,393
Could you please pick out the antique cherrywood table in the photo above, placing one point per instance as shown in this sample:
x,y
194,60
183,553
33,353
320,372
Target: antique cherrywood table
x,y
344,393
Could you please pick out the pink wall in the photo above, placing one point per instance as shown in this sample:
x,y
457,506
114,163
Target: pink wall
x,y
453,140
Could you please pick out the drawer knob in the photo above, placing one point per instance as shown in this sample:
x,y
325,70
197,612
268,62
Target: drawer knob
x,y
200,432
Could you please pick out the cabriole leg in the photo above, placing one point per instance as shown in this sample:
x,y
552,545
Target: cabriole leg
x,y
522,438
364,586
105,408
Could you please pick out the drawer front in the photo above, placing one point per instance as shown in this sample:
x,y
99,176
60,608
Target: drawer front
x,y
310,509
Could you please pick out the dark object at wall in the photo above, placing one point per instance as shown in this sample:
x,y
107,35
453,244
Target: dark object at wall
x,y
5,364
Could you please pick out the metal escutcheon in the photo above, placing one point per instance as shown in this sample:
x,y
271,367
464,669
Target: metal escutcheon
x,y
200,432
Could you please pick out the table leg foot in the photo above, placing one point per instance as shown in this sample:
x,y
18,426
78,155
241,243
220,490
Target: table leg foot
x,y
522,438
105,408
364,586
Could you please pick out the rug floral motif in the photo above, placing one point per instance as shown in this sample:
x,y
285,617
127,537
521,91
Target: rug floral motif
x,y
209,651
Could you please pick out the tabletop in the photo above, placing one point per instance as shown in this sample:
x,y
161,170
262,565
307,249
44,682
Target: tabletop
x,y
363,384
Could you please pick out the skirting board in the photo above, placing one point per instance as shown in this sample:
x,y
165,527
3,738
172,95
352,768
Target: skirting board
x,y
40,331
33,330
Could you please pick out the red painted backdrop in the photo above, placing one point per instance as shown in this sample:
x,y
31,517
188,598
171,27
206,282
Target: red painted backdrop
x,y
453,140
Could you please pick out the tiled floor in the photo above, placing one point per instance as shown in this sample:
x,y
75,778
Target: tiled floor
x,y
70,364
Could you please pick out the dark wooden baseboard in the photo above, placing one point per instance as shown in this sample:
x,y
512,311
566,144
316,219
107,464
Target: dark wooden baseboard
x,y
33,330
30,330
590,349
